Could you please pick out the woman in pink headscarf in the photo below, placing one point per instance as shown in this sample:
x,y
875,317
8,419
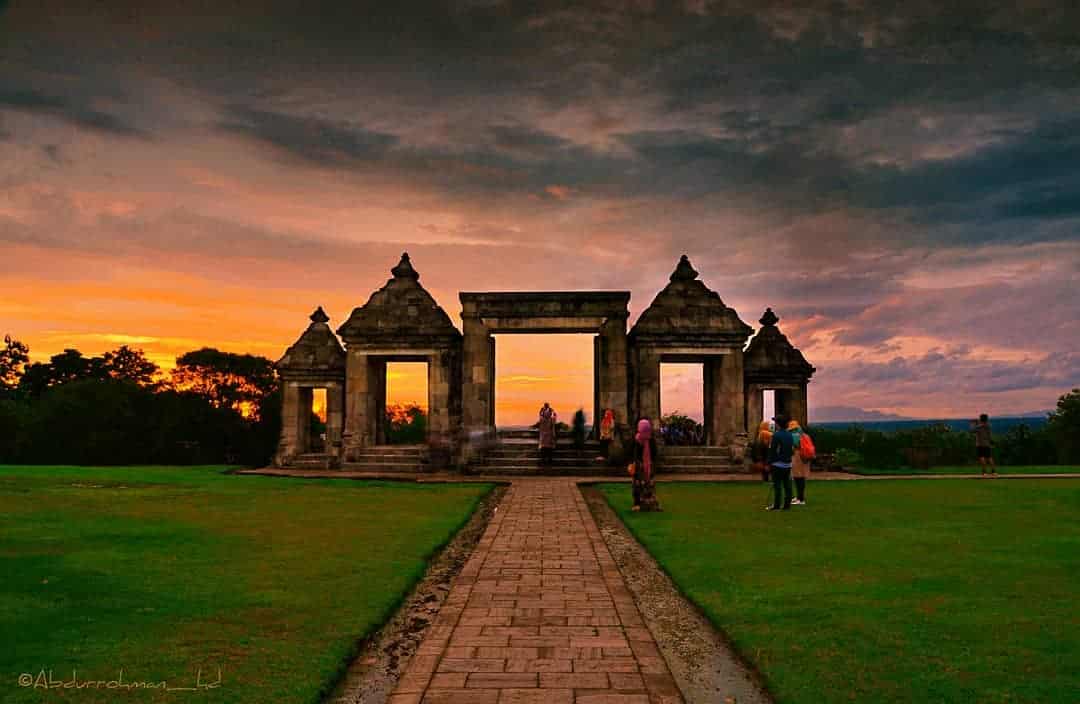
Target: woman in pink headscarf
x,y
645,468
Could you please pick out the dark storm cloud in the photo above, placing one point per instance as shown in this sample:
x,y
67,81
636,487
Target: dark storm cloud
x,y
322,141
1047,155
69,110
958,369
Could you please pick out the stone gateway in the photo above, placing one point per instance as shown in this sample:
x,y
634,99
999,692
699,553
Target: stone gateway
x,y
402,322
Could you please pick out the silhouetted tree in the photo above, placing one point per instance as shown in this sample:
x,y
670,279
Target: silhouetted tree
x,y
64,368
226,379
13,358
127,364
1064,427
405,424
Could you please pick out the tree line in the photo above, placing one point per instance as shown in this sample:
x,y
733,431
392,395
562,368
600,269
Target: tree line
x,y
120,408
1056,442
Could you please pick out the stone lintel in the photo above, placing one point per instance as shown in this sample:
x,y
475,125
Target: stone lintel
x,y
544,324
416,346
659,342
690,354
786,381
313,377
545,304
399,354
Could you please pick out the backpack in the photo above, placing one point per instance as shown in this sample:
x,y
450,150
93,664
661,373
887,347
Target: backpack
x,y
806,448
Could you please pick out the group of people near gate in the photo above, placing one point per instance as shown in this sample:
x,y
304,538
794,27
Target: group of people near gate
x,y
643,468
783,452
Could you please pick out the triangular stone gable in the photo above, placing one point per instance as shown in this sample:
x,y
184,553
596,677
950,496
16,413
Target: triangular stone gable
x,y
316,350
402,310
771,354
687,308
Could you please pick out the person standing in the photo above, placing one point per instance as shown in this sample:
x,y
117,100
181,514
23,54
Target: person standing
x,y
800,468
607,431
644,483
780,452
984,445
546,429
759,450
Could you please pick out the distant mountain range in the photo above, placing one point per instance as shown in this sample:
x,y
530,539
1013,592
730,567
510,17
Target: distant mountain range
x,y
854,414
844,416
850,414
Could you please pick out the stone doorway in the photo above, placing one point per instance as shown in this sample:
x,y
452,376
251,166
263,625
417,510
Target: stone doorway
x,y
405,385
531,370
485,315
682,393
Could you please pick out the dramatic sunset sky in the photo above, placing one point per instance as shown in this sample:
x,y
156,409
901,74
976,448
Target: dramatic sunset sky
x,y
901,186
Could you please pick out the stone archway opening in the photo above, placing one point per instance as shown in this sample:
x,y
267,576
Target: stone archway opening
x,y
532,369
768,405
406,404
682,403
316,437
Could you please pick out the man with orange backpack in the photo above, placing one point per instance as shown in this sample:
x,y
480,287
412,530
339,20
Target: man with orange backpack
x,y
800,460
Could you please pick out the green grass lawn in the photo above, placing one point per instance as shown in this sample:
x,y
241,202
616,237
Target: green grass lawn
x,y
974,469
919,591
161,571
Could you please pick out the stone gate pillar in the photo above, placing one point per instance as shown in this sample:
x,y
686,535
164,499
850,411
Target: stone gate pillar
x,y
612,374
726,402
477,387
335,415
647,379
356,405
755,408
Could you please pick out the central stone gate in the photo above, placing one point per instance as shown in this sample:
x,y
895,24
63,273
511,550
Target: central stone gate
x,y
686,322
483,315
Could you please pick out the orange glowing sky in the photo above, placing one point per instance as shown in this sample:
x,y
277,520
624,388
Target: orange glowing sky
x,y
904,199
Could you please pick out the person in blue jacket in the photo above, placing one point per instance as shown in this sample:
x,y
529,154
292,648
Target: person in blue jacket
x,y
780,453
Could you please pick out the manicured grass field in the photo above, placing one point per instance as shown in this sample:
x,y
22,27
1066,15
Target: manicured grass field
x,y
907,591
160,571
974,469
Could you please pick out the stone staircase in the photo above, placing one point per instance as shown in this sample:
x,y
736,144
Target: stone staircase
x,y
516,454
697,459
313,460
521,456
390,458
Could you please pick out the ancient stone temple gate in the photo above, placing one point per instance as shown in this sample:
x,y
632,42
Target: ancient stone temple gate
x,y
686,322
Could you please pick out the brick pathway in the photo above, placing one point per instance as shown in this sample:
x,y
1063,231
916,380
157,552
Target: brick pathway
x,y
539,613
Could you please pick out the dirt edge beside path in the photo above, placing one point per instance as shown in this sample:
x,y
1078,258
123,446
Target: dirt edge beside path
x,y
372,675
703,663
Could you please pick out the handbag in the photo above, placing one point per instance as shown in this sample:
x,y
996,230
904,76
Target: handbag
x,y
631,469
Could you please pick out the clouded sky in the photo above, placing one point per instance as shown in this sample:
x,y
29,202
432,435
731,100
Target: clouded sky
x,y
901,186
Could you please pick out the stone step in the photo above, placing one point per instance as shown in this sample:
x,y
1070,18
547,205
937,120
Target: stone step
x,y
714,469
695,450
395,449
548,471
590,454
383,462
405,468
532,442
535,461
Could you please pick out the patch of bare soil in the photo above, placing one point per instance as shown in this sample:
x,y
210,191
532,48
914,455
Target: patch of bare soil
x,y
703,663
383,657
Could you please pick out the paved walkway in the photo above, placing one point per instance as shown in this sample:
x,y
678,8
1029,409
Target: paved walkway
x,y
540,613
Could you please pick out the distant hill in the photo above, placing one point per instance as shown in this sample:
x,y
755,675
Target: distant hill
x,y
848,414
999,425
